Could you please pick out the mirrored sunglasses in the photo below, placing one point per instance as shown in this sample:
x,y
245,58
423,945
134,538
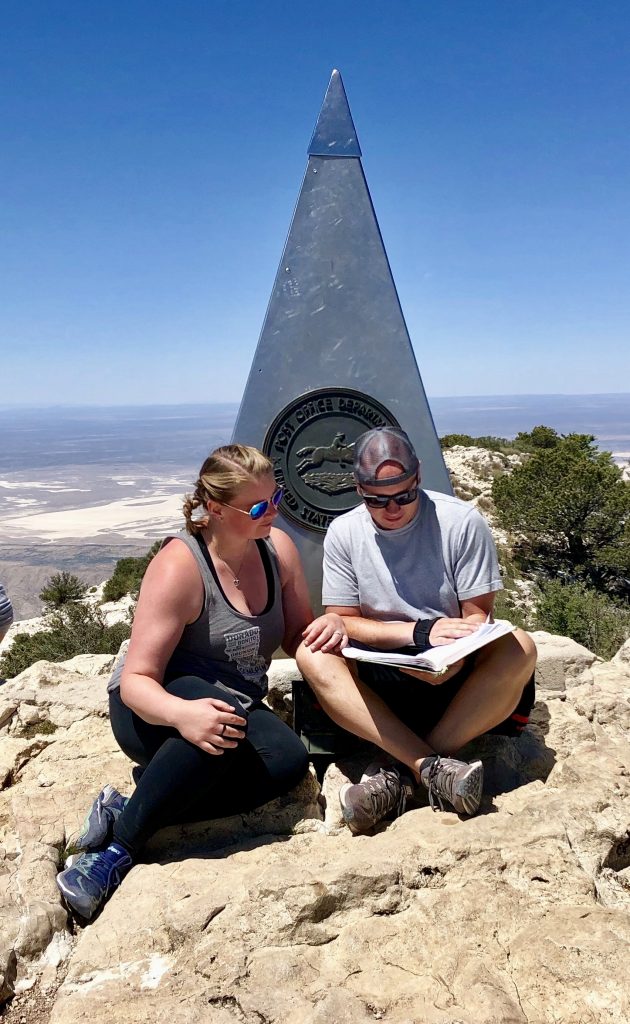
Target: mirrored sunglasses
x,y
258,510
383,500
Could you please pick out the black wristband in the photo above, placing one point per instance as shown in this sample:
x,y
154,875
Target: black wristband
x,y
421,632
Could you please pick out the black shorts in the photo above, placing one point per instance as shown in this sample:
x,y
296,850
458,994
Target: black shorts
x,y
421,705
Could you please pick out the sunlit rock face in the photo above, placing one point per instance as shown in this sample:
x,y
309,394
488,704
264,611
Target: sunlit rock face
x,y
283,916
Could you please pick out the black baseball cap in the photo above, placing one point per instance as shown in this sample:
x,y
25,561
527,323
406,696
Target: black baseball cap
x,y
383,444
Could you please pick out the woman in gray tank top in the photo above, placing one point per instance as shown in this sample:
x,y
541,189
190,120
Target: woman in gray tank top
x,y
216,601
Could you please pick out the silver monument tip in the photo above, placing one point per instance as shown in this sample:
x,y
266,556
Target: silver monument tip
x,y
335,134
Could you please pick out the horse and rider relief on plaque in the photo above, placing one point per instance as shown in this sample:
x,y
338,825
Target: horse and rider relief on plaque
x,y
311,443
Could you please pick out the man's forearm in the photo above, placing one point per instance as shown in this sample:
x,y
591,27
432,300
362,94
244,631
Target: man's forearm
x,y
389,635
385,635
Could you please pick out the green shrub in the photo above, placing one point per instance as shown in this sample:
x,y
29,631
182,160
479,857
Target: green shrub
x,y
599,622
506,608
525,441
73,629
128,574
538,437
43,728
484,504
570,509
62,588
494,444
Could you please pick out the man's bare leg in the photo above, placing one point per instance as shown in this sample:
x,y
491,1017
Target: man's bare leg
x,y
355,707
486,699
489,695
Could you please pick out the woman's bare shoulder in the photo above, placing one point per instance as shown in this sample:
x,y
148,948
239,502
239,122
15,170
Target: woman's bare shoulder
x,y
171,597
285,548
289,561
173,569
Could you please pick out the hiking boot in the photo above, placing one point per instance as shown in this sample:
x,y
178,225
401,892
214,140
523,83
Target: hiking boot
x,y
368,802
459,783
375,767
97,828
93,878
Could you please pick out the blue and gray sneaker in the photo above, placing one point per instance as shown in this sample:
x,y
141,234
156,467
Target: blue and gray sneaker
x,y
93,878
96,830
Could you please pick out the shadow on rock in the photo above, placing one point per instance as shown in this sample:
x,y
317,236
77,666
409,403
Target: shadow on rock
x,y
296,812
512,762
509,762
185,842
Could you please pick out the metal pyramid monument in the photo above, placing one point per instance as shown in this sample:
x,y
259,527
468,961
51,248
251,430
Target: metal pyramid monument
x,y
334,356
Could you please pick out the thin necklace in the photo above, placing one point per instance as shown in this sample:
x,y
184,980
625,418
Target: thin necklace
x,y
236,578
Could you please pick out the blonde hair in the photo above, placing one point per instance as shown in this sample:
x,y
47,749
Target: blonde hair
x,y
223,473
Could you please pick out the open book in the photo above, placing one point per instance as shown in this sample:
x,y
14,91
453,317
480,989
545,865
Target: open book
x,y
436,659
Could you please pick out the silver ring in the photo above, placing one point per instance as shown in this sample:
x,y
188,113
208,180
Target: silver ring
x,y
337,632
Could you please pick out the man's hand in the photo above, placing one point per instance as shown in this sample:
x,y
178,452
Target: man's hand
x,y
445,631
326,633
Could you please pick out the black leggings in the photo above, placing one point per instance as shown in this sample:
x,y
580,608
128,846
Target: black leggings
x,y
181,782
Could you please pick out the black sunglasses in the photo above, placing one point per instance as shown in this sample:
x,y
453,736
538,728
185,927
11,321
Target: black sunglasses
x,y
383,500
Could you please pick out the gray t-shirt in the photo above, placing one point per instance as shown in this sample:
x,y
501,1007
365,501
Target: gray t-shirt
x,y
445,555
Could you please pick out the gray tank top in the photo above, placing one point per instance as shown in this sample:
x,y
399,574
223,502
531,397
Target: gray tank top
x,y
223,645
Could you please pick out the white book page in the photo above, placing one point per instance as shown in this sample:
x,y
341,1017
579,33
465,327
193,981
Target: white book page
x,y
437,659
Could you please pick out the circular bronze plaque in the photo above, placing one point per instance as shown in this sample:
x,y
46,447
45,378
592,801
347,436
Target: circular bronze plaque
x,y
311,444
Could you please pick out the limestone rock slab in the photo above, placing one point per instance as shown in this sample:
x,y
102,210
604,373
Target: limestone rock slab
x,y
562,662
621,660
518,914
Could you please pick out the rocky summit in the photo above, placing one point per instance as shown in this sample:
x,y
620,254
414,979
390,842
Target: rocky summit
x,y
520,915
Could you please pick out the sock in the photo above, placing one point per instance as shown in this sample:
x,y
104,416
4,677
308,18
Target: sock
x,y
425,766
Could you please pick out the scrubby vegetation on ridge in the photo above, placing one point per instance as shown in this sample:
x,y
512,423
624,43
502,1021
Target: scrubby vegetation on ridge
x,y
525,441
569,511
75,626
566,511
128,574
70,630
62,588
599,622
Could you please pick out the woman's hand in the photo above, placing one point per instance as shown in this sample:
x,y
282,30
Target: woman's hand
x,y
210,724
326,633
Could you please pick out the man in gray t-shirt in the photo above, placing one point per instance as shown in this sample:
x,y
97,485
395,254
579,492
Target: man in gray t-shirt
x,y
416,568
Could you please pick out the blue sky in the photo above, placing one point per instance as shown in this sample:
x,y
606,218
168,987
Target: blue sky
x,y
151,154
